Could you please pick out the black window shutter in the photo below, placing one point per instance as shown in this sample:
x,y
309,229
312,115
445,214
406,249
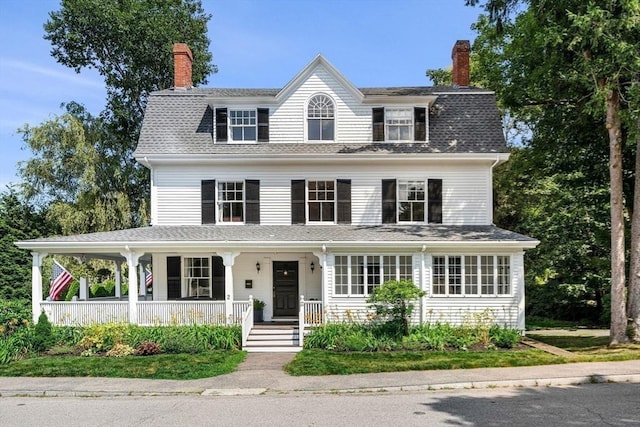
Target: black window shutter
x,y
263,125
221,124
218,278
174,290
420,124
388,201
208,198
434,188
344,201
378,124
297,201
252,202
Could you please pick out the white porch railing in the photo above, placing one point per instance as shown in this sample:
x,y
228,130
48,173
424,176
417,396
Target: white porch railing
x,y
81,313
240,307
181,313
310,315
247,321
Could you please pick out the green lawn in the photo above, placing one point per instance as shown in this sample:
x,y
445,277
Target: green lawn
x,y
321,362
591,349
162,366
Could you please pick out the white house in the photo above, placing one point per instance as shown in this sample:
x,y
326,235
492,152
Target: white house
x,y
308,197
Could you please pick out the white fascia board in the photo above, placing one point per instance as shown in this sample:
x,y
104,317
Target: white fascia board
x,y
310,158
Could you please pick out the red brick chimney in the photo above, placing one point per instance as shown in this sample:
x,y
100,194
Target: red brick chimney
x,y
182,61
460,57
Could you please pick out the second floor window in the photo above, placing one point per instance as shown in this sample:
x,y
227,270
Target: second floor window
x,y
243,125
411,201
320,119
231,201
321,199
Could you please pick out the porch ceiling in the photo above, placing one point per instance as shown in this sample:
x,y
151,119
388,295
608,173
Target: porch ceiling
x,y
270,237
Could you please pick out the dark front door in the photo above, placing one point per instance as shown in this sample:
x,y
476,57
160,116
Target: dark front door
x,y
285,288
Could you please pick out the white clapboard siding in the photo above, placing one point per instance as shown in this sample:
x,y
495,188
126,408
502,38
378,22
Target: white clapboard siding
x,y
466,189
353,121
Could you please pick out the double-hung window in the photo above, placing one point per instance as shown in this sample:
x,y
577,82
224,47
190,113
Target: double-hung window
x,y
230,201
399,124
359,275
320,118
321,200
197,276
411,201
243,125
471,275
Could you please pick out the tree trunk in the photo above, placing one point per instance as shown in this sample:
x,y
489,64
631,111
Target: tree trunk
x,y
633,296
617,333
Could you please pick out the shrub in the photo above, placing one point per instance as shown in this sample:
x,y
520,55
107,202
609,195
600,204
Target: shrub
x,y
392,301
148,348
16,345
504,337
120,350
43,334
102,337
14,315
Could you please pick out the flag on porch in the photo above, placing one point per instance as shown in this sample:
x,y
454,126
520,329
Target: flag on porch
x,y
149,277
60,278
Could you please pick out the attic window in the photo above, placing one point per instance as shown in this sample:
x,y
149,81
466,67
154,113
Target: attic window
x,y
320,118
243,125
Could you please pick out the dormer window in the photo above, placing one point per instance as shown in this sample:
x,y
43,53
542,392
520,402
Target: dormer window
x,y
243,125
399,124
320,118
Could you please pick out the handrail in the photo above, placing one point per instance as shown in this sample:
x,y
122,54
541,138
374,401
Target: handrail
x,y
301,323
247,322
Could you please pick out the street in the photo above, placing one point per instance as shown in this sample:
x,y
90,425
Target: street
x,y
587,405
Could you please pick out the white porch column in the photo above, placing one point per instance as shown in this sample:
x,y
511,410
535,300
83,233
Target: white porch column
x,y
36,283
322,260
142,285
132,264
228,258
118,279
423,284
84,289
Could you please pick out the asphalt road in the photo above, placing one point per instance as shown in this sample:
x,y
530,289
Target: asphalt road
x,y
584,405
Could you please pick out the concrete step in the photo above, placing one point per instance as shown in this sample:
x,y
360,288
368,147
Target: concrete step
x,y
259,337
274,331
273,349
258,343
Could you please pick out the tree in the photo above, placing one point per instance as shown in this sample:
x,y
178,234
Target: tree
x,y
130,44
393,301
18,221
584,55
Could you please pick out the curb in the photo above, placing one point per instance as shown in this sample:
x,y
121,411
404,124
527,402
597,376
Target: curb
x,y
538,382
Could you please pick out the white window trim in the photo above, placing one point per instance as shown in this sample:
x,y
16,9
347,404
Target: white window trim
x,y
307,201
230,139
463,293
185,284
349,293
335,121
424,202
218,202
411,126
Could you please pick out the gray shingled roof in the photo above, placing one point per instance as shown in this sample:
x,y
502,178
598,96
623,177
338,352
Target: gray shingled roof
x,y
463,120
295,234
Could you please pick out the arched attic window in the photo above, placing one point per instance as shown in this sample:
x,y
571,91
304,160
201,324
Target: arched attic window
x,y
320,118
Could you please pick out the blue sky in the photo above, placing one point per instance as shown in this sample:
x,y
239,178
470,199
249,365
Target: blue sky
x,y
255,43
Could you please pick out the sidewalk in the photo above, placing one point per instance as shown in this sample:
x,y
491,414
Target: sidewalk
x,y
269,378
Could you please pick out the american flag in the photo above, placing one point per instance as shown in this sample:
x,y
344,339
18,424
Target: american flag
x,y
149,277
60,278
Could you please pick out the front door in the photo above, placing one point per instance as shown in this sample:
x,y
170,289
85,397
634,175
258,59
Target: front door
x,y
285,288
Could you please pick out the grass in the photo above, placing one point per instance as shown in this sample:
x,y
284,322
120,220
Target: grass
x,y
591,349
322,362
162,366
